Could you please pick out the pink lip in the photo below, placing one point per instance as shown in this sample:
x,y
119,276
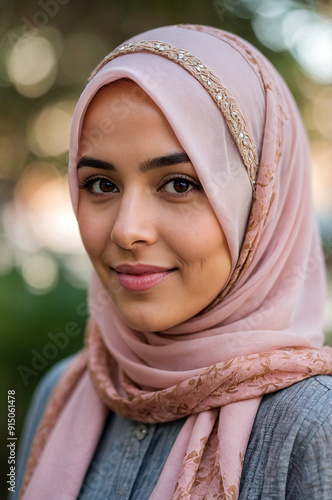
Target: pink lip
x,y
141,276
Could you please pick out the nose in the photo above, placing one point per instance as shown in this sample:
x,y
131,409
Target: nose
x,y
133,222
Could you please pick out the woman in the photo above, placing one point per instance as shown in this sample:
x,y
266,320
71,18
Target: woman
x,y
203,374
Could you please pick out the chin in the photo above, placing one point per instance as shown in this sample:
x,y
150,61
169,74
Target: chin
x,y
146,324
147,321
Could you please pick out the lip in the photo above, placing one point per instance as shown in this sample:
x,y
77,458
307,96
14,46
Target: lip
x,y
140,277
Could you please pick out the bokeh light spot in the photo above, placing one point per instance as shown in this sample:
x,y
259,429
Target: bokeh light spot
x,y
42,198
322,112
321,152
31,65
50,130
40,272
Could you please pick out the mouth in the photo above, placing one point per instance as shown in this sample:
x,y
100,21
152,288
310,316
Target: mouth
x,y
141,276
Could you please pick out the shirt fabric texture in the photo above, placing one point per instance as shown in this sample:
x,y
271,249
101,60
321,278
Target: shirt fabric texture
x,y
289,455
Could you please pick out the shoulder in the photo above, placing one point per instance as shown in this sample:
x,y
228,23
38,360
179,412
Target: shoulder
x,y
35,413
51,378
290,447
309,399
44,389
296,413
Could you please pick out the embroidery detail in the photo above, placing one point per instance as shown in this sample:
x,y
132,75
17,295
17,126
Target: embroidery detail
x,y
220,94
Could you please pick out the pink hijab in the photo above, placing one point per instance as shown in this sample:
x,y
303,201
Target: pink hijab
x,y
263,332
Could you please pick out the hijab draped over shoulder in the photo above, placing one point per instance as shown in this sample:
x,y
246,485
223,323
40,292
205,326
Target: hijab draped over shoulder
x,y
238,123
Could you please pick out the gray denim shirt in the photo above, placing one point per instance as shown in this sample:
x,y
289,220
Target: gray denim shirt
x,y
289,455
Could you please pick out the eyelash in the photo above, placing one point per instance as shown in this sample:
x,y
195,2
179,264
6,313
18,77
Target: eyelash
x,y
88,183
194,184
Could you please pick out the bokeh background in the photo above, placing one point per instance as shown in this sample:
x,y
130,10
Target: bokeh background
x,y
47,50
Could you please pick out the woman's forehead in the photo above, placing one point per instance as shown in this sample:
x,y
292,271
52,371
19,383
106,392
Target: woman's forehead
x,y
119,97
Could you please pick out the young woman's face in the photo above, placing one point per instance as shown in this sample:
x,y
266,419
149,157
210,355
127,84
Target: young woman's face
x,y
145,220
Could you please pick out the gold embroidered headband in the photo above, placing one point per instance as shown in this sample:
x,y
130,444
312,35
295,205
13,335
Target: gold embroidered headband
x,y
220,94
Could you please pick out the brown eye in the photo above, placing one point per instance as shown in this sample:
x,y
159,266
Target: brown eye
x,y
104,186
181,186
178,186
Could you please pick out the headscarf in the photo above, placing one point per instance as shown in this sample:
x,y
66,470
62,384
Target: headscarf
x,y
237,121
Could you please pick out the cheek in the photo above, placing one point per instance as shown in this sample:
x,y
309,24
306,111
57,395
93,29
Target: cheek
x,y
198,238
211,261
95,231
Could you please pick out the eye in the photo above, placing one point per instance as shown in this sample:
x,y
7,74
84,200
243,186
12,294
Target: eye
x,y
103,186
98,185
179,185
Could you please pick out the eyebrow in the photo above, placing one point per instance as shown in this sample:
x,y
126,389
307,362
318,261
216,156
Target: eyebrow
x,y
146,166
